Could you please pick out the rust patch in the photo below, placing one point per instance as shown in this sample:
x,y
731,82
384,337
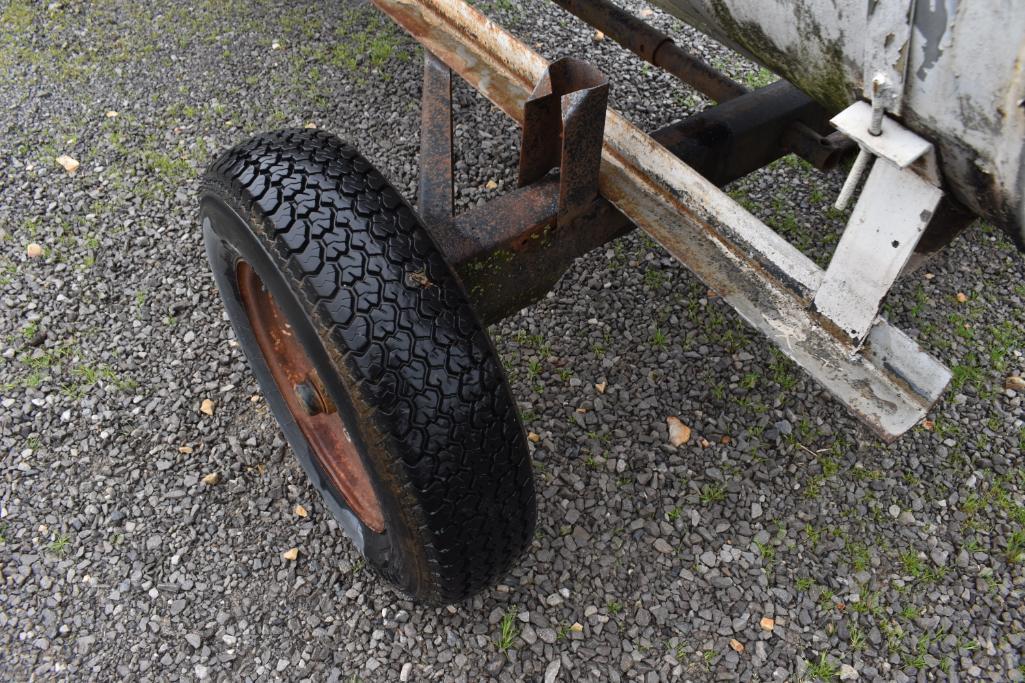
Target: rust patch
x,y
303,393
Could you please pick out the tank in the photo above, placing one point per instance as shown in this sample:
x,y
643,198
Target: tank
x,y
961,63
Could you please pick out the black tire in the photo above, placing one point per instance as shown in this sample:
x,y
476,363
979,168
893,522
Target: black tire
x,y
388,328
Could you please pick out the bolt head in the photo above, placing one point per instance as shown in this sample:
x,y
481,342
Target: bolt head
x,y
309,399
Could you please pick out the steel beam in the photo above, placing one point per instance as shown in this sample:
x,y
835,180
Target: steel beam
x,y
654,47
732,139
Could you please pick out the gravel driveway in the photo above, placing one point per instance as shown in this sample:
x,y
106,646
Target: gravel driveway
x,y
142,538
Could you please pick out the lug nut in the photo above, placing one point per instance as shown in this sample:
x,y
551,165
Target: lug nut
x,y
308,399
313,397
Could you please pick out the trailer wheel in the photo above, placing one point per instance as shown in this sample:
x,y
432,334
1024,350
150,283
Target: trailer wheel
x,y
384,382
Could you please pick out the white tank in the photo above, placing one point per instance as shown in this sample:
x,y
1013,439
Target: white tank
x,y
962,63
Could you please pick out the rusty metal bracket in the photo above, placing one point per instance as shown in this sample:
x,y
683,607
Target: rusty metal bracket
x,y
563,127
526,239
436,193
510,251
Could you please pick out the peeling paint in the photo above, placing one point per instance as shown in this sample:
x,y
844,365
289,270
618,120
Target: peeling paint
x,y
931,24
964,65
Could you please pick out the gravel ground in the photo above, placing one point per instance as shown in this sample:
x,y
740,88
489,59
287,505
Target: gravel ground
x,y
797,548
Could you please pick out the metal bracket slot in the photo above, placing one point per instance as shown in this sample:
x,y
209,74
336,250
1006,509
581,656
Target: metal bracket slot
x,y
563,127
510,251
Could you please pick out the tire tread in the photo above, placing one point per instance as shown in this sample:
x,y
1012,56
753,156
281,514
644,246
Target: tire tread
x,y
351,246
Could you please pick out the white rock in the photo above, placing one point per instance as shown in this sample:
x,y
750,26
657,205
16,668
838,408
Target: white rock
x,y
848,673
407,669
552,671
70,164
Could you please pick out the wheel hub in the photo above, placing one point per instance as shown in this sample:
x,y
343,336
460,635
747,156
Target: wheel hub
x,y
307,399
312,398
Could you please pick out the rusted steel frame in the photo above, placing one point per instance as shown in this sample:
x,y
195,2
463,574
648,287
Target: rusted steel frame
x,y
722,143
513,249
654,47
890,384
508,222
436,190
563,127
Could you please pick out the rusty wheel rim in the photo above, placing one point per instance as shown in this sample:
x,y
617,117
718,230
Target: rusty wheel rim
x,y
303,392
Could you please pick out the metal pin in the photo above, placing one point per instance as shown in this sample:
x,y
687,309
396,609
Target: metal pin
x,y
864,156
853,178
878,108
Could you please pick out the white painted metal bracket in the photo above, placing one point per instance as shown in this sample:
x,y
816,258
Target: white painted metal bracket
x,y
894,143
892,213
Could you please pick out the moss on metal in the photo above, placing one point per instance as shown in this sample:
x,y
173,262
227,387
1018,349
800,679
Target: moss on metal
x,y
825,83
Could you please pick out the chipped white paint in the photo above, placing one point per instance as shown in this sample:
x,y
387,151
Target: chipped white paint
x,y
888,347
766,279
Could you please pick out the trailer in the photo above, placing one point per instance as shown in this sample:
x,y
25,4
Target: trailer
x,y
365,321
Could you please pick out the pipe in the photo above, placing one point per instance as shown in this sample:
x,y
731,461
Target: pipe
x,y
654,47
